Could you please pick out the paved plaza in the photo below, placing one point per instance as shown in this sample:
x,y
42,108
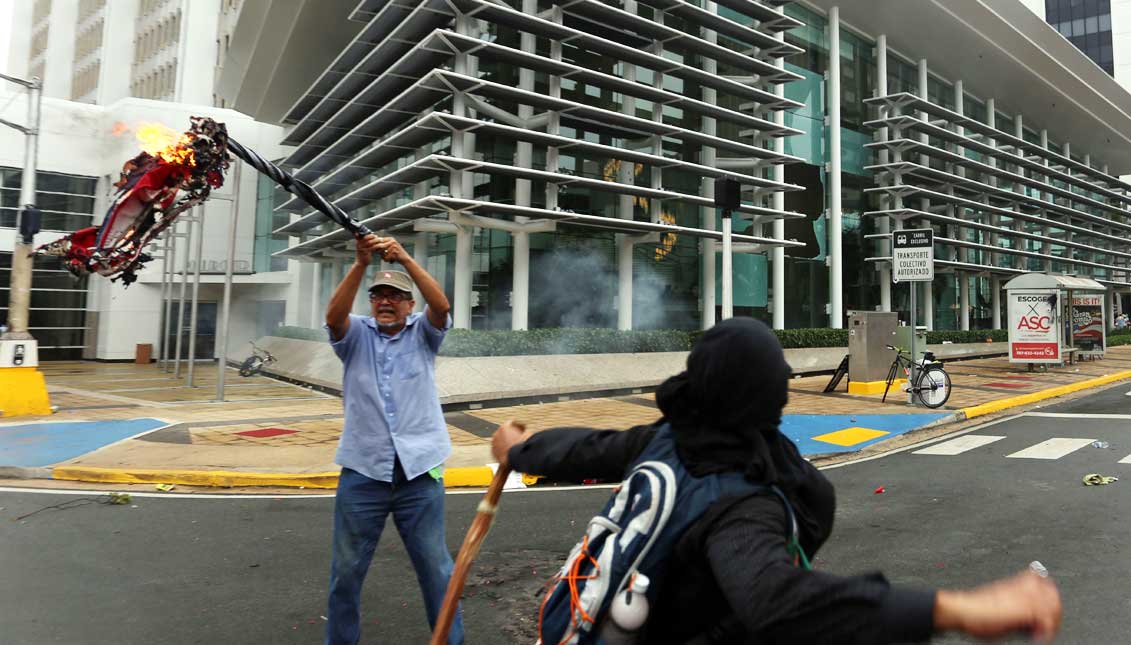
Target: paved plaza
x,y
117,417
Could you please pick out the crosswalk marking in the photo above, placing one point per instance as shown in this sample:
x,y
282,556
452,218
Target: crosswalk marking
x,y
1054,448
959,445
1126,460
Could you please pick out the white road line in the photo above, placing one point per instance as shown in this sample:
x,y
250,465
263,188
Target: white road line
x,y
1076,415
959,445
1126,460
269,496
920,444
1054,448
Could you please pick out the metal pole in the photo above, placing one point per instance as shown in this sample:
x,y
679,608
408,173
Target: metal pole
x,y
728,277
199,240
162,341
836,261
226,312
181,307
171,261
911,374
19,295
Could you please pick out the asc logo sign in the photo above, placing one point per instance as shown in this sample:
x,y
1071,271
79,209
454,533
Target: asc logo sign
x,y
1034,332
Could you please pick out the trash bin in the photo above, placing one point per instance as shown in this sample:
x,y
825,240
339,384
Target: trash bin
x,y
143,353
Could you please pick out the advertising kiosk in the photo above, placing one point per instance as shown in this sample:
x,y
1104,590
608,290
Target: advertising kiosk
x,y
1054,318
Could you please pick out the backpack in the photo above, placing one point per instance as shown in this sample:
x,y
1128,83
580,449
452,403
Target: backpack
x,y
636,533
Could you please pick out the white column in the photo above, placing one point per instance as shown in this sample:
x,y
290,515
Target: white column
x,y
963,252
928,287
1046,246
420,255
461,316
707,247
624,282
625,209
836,262
995,298
316,296
524,154
885,222
777,255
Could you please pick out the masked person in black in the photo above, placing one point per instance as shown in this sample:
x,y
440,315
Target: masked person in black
x,y
732,577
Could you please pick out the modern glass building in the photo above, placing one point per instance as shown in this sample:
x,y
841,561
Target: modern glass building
x,y
553,163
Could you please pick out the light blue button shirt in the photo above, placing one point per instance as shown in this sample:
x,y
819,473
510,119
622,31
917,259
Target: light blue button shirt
x,y
389,393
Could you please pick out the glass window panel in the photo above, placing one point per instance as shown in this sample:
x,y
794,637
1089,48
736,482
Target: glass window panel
x,y
1105,22
1091,24
1078,26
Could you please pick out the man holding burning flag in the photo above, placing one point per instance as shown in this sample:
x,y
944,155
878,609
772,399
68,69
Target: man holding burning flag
x,y
395,438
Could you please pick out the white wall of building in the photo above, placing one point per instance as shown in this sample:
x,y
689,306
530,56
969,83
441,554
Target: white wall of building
x,y
1036,6
60,59
1121,41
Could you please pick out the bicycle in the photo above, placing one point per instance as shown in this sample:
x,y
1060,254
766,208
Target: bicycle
x,y
254,364
932,383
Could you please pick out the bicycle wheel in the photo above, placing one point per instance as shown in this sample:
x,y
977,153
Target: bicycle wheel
x,y
250,366
933,387
890,379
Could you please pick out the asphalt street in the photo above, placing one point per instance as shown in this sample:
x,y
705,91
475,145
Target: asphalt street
x,y
207,570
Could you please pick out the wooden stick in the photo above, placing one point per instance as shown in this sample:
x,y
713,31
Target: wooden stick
x,y
484,517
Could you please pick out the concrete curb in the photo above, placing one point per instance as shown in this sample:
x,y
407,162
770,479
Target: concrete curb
x,y
473,477
1034,397
465,477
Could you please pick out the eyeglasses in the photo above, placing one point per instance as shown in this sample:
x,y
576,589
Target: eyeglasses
x,y
394,297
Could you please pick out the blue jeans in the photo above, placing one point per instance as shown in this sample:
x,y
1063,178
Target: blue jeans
x,y
360,509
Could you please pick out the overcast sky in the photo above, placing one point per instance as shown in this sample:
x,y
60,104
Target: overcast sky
x,y
6,7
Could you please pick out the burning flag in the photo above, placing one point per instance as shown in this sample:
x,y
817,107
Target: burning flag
x,y
175,172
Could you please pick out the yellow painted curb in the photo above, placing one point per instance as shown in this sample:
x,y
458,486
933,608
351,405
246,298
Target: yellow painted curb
x,y
868,388
1033,397
475,477
216,478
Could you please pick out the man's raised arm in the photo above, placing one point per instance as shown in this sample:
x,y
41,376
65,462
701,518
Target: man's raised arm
x,y
338,311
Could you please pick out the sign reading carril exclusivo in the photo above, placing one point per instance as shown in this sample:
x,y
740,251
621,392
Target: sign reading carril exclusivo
x,y
913,255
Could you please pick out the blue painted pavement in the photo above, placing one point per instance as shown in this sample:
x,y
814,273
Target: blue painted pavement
x,y
802,428
43,444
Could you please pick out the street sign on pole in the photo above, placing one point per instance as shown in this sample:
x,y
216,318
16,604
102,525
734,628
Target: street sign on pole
x,y
913,255
913,260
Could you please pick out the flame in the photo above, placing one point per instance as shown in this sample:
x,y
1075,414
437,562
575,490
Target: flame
x,y
166,143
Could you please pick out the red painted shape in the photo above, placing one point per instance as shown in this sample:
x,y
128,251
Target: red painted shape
x,y
266,432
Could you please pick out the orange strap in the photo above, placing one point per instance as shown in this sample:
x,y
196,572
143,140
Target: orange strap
x,y
572,577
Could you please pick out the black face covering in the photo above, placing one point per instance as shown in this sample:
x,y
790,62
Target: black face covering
x,y
725,411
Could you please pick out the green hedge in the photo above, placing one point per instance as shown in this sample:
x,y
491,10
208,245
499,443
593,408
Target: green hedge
x,y
465,342
972,336
1115,338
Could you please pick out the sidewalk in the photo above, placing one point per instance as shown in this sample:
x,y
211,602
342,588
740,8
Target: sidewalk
x,y
125,423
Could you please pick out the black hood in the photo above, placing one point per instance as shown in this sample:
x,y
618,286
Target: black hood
x,y
725,410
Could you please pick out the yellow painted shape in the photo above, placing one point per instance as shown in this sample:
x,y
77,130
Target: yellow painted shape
x,y
214,478
1033,397
23,390
850,436
869,388
477,477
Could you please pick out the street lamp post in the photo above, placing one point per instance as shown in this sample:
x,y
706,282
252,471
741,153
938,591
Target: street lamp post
x,y
22,387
